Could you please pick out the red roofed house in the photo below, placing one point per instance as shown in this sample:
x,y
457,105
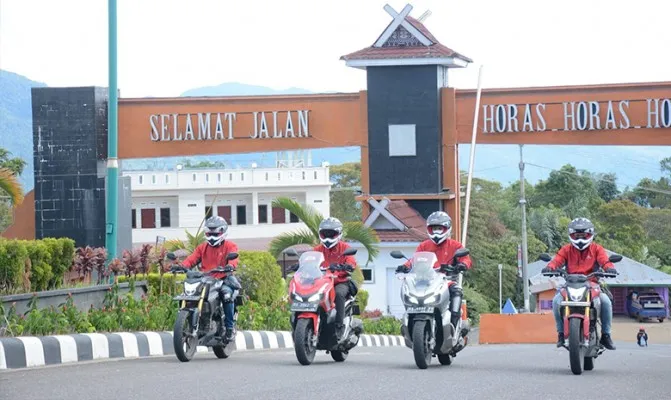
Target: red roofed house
x,y
399,227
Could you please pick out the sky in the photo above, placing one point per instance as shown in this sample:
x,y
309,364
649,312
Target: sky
x,y
166,47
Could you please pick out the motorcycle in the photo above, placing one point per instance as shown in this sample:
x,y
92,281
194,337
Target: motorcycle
x,y
581,309
201,314
313,313
427,327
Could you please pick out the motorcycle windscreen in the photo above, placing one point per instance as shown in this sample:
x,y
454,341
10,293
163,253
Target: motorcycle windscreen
x,y
422,274
309,267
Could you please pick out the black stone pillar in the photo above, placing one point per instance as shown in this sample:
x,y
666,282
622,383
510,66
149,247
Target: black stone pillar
x,y
402,161
70,148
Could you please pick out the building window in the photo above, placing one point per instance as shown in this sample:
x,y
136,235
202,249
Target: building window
x,y
230,177
279,176
402,141
208,211
546,304
242,176
368,276
241,213
167,178
315,174
133,222
139,178
207,177
153,179
303,175
263,214
293,218
218,177
266,176
194,177
165,217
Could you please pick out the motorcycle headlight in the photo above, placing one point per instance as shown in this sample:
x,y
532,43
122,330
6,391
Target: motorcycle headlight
x,y
190,288
431,300
411,299
576,294
298,298
314,297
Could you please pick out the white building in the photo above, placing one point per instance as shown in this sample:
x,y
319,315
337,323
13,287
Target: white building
x,y
399,227
166,203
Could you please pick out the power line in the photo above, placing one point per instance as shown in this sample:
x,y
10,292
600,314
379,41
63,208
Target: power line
x,y
661,191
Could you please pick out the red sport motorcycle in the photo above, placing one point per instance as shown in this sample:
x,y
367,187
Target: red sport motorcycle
x,y
581,309
313,313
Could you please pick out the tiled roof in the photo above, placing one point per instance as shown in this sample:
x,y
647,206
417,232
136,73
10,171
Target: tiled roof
x,y
399,236
410,218
435,50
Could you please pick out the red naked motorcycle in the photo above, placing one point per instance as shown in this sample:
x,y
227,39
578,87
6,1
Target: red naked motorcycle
x,y
581,310
313,313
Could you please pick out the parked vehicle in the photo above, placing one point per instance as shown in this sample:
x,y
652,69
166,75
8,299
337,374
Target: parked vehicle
x,y
648,304
201,313
426,295
313,313
581,309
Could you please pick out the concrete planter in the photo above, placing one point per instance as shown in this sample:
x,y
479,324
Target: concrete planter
x,y
83,297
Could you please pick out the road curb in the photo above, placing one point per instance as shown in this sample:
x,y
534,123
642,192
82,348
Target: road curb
x,y
37,351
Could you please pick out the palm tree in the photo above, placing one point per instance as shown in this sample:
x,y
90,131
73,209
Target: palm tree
x,y
11,185
311,218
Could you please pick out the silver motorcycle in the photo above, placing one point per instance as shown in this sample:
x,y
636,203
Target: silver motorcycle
x,y
427,327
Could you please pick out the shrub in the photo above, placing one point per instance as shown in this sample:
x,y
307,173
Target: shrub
x,y
362,299
171,282
382,326
476,304
50,259
260,277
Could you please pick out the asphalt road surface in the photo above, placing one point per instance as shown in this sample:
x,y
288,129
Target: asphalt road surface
x,y
479,372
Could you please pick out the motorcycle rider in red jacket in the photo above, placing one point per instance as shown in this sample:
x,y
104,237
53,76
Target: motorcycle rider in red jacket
x,y
330,233
581,257
439,227
212,254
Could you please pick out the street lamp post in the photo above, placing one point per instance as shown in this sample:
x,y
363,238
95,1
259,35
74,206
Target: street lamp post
x,y
112,131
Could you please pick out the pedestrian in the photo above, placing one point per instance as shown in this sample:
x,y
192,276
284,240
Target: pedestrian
x,y
642,337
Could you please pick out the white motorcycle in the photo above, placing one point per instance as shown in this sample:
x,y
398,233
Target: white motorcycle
x,y
427,327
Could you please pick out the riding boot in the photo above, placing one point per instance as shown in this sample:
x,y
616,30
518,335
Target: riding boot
x,y
560,339
607,342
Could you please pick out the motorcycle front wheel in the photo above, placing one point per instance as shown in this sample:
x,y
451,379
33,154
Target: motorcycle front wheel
x,y
574,345
303,338
185,345
421,344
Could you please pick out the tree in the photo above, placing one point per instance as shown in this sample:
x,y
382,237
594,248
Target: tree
x,y
621,228
11,191
606,186
346,180
353,230
575,192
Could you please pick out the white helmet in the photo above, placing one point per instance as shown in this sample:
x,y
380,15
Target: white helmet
x,y
216,230
439,226
330,232
581,233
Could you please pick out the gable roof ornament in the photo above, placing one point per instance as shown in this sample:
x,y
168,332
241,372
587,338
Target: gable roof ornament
x,y
400,30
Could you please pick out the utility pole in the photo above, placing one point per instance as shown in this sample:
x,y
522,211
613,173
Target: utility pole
x,y
112,121
523,204
500,288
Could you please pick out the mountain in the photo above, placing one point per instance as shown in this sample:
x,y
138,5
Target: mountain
x,y
500,163
16,132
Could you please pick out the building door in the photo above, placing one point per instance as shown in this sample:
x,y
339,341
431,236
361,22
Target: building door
x,y
148,218
279,216
394,304
225,213
241,213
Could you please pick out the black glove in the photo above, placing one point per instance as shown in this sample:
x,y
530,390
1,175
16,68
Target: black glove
x,y
610,271
348,268
228,268
402,269
546,270
461,267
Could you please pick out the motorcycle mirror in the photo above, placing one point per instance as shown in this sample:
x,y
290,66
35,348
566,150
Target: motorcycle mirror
x,y
171,256
231,256
545,257
462,253
615,258
349,252
397,254
291,252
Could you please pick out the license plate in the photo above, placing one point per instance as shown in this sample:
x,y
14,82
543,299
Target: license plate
x,y
187,298
296,306
415,310
653,305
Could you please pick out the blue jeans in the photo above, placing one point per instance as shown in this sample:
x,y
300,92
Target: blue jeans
x,y
229,306
606,313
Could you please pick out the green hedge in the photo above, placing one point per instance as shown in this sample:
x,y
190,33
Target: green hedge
x,y
50,259
476,304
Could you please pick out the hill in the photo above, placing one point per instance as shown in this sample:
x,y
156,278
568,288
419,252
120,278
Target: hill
x,y
500,163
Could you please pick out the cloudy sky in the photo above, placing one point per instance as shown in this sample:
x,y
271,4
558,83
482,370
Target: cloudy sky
x,y
169,46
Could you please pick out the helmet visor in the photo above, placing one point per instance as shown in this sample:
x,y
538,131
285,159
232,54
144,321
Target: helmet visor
x,y
580,235
436,229
328,234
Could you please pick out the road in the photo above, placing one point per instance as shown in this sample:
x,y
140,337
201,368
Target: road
x,y
479,372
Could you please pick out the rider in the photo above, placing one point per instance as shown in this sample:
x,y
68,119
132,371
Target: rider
x,y
330,233
212,254
439,227
580,257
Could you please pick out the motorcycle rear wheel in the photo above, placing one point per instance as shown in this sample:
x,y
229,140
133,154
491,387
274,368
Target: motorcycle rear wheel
x,y
574,345
421,338
303,337
179,340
